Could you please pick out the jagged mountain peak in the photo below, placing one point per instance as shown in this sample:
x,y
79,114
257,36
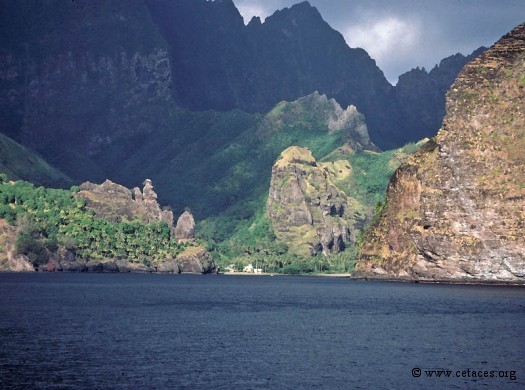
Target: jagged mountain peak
x,y
322,110
303,9
423,92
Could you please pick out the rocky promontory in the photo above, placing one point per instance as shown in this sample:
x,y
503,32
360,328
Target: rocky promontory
x,y
456,209
99,228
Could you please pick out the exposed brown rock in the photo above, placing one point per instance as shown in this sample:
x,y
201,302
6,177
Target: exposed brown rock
x,y
148,193
9,259
17,263
195,260
117,203
185,229
456,210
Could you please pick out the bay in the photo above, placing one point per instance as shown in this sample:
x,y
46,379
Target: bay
x,y
151,331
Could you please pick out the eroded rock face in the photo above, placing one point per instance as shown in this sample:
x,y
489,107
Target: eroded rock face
x,y
195,260
456,210
305,207
117,203
185,229
9,259
72,101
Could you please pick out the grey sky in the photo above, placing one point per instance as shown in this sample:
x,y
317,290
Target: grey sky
x,y
403,34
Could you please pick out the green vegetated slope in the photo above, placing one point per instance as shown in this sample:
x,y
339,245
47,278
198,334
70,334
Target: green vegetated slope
x,y
219,165
371,171
21,163
228,188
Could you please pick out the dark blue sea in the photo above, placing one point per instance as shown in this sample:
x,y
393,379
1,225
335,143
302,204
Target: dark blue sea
x,y
149,331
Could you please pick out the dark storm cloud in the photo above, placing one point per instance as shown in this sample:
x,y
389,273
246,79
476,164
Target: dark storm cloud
x,y
403,34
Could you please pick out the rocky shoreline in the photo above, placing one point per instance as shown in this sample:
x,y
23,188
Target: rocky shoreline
x,y
464,282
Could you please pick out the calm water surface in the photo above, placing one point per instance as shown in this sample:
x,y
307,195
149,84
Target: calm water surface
x,y
240,332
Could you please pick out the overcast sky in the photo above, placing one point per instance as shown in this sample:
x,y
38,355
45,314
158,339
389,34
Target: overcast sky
x,y
403,34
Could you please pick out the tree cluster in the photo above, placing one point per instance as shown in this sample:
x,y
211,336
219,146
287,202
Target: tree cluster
x,y
48,219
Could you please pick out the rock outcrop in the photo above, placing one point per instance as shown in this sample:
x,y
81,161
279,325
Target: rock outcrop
x,y
456,210
117,203
306,209
195,260
185,228
9,259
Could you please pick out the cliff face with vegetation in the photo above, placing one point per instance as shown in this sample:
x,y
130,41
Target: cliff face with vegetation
x,y
420,96
307,210
456,210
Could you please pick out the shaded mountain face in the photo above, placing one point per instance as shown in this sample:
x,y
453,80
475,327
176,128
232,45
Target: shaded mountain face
x,y
456,210
219,63
80,78
84,83
420,96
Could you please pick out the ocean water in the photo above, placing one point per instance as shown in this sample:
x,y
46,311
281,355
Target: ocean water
x,y
148,331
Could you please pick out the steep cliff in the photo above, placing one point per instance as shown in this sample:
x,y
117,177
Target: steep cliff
x,y
456,210
307,210
78,78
